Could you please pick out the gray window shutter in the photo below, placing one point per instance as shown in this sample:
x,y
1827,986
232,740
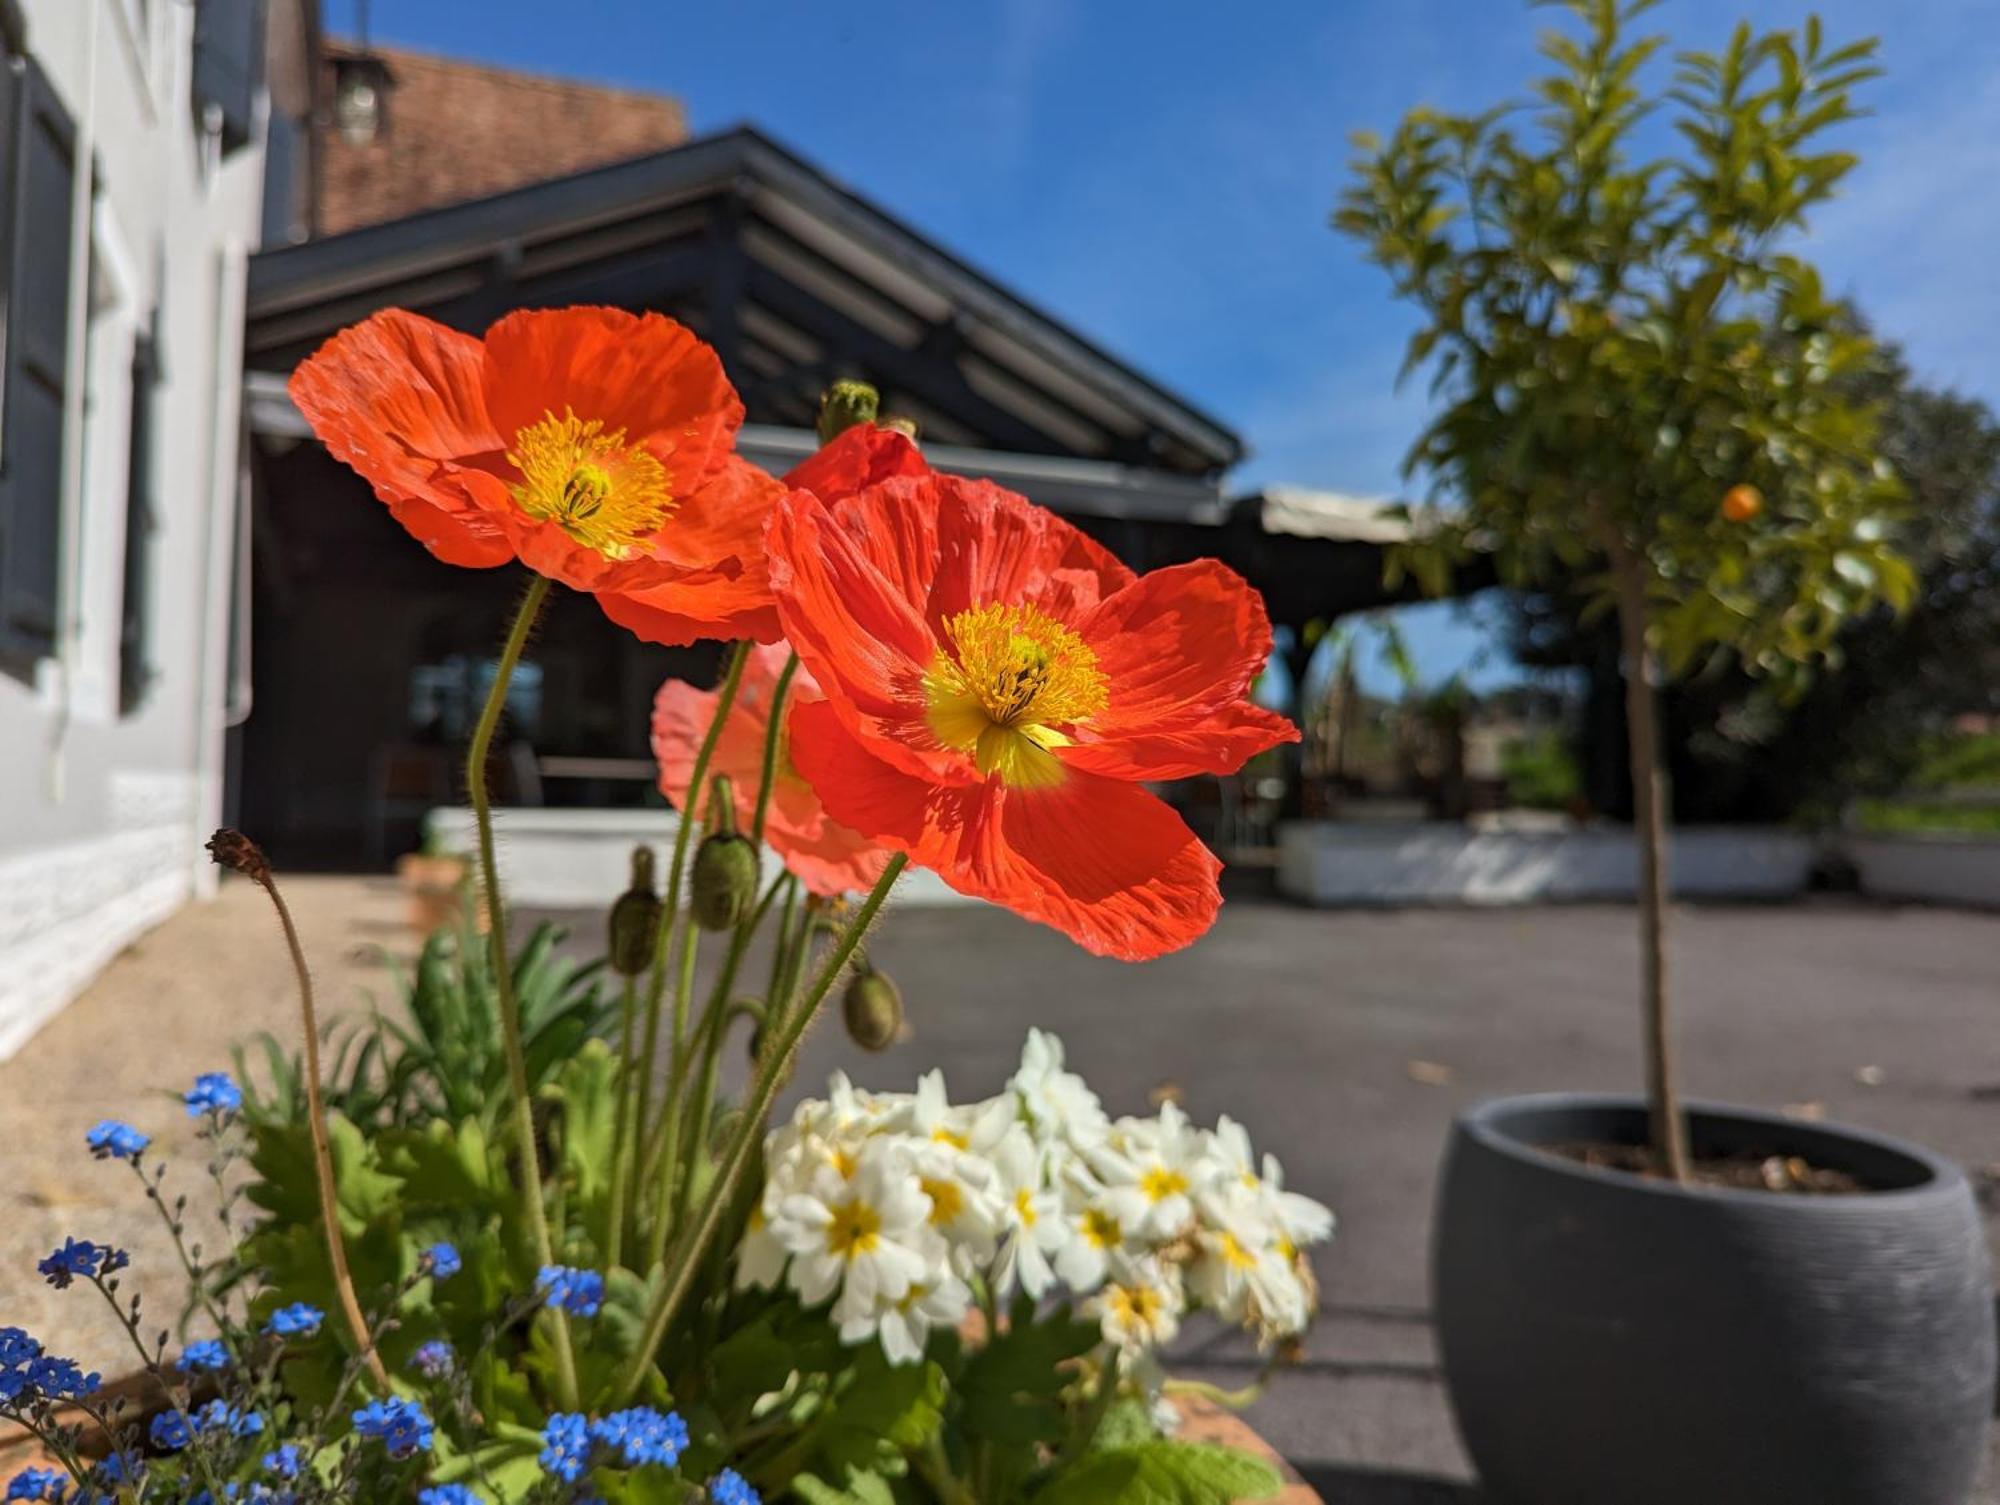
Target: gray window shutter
x,y
228,57
41,168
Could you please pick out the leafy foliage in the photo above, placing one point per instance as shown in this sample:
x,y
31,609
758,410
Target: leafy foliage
x,y
1745,749
444,1058
1617,342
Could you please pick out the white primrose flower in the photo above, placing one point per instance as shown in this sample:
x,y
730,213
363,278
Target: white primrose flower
x,y
1300,1219
1151,1180
904,1324
1055,1103
975,1128
1033,1227
1093,1234
964,1203
1140,1306
865,1235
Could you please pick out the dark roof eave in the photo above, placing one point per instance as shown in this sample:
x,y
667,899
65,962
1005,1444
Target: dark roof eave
x,y
294,277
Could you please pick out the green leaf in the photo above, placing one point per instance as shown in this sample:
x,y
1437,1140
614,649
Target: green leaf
x,y
861,1488
1009,1387
897,1407
1161,1473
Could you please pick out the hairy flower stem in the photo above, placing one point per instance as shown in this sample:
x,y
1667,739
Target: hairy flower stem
x,y
625,1132
714,1030
772,1070
774,735
670,912
329,1205
714,1021
503,963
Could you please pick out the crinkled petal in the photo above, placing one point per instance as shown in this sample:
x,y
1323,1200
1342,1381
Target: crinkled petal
x,y
642,373
855,625
400,398
1106,863
1180,649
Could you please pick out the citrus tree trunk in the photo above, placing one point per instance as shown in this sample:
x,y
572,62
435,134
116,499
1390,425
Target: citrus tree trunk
x,y
1670,1145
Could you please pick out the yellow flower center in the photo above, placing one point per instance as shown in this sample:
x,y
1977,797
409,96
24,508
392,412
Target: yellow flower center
x,y
1235,1255
604,493
952,1137
1024,1205
1136,1307
844,1161
1101,1229
1159,1183
1013,681
947,1201
856,1229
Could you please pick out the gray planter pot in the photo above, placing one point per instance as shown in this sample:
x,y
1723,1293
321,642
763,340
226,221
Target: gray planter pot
x,y
1610,1338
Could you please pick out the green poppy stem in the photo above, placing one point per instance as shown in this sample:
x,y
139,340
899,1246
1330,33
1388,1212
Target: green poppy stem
x,y
503,964
772,1070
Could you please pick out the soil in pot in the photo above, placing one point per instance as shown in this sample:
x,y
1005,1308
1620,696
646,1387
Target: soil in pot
x,y
1743,1171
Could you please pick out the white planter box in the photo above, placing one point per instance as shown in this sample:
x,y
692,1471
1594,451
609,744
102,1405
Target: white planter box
x,y
582,859
1332,862
1940,869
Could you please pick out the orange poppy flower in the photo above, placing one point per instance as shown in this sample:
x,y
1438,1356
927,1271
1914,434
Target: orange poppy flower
x,y
827,857
997,688
683,611
592,444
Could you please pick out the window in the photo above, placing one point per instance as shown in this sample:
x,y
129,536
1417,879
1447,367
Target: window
x,y
37,168
228,53
135,667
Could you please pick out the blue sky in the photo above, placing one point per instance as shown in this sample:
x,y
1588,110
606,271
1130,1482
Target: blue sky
x,y
1159,173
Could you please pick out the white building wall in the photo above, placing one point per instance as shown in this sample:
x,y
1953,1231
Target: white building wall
x,y
102,816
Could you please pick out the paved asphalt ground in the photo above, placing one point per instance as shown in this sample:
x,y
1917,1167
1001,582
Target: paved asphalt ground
x,y
1344,1040
1308,1026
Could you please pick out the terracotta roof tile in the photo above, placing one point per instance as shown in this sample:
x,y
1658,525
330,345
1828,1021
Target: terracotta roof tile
x,y
459,130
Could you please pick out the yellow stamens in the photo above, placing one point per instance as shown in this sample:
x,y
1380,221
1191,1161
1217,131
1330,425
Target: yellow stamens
x,y
947,1201
1101,1229
844,1161
952,1137
1159,1183
1024,1205
1136,1307
1014,683
1235,1255
604,493
856,1229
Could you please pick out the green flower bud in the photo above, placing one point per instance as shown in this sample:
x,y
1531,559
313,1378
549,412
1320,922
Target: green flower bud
x,y
843,405
634,923
896,423
873,1009
724,887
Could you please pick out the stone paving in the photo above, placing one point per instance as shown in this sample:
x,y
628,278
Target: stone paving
x,y
1344,1040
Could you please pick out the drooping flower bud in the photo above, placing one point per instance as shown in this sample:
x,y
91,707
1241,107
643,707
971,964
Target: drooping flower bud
x,y
843,405
634,924
873,1009
724,884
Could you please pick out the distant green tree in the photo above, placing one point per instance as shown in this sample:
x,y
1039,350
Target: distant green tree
x,y
1637,379
1742,748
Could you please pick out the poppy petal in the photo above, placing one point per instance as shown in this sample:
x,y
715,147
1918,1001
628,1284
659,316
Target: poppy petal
x,y
1105,863
642,373
827,857
722,526
858,457
399,398
1180,648
855,625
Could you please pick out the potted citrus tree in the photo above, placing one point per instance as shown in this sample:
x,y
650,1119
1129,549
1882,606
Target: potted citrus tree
x,y
1642,385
